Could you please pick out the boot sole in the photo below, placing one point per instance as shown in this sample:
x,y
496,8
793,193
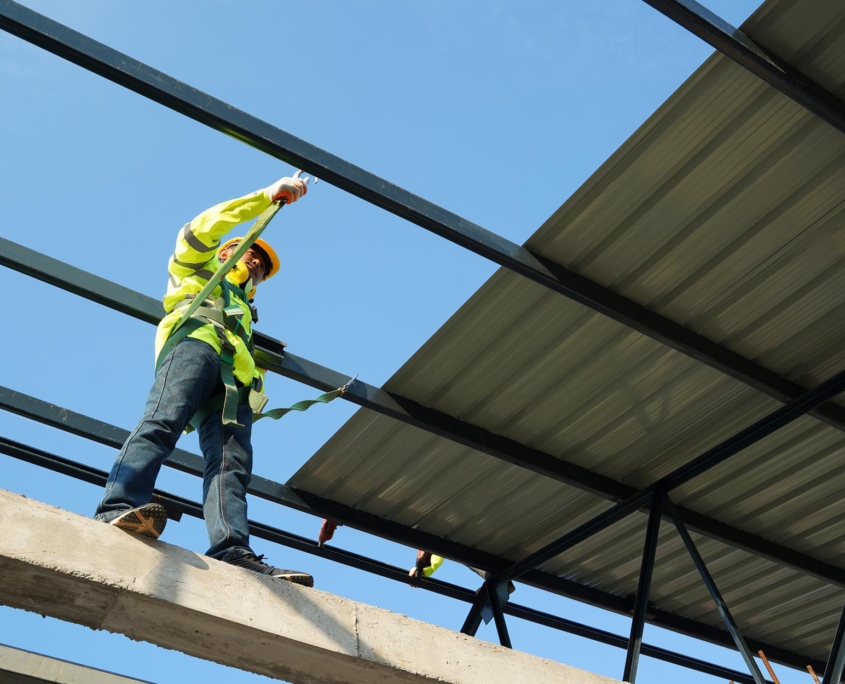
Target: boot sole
x,y
302,580
147,521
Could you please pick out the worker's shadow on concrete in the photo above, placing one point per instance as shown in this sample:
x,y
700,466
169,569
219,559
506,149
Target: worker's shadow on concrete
x,y
309,604
162,576
175,579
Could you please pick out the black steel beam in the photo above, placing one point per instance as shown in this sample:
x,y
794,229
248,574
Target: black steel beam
x,y
184,461
753,544
715,594
635,641
736,45
180,506
473,618
272,355
836,659
98,477
683,474
159,87
622,642
498,616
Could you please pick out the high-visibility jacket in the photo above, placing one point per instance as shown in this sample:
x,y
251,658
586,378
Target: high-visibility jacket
x,y
191,265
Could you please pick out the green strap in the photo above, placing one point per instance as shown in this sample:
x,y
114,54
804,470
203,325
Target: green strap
x,y
246,395
230,401
275,414
231,323
212,406
202,317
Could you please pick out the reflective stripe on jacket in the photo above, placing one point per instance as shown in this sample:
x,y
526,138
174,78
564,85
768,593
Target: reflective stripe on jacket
x,y
195,260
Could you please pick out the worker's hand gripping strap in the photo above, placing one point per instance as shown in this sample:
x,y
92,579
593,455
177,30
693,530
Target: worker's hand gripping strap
x,y
275,414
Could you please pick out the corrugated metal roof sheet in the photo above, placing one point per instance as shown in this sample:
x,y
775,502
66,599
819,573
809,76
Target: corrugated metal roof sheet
x,y
723,212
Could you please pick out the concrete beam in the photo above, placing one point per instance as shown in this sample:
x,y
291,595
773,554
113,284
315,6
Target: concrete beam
x,y
73,568
24,667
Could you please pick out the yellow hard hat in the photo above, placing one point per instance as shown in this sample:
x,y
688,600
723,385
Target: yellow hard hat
x,y
273,262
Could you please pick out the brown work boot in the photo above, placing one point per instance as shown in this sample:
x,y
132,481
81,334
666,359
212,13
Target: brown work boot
x,y
147,520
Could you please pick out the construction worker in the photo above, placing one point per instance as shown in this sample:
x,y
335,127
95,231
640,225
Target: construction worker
x,y
200,368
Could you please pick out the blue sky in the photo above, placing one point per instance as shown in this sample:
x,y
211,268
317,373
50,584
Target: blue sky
x,y
496,111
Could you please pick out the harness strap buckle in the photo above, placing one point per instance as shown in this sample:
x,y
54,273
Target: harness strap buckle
x,y
233,312
257,401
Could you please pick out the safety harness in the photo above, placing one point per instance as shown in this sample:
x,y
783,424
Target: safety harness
x,y
224,315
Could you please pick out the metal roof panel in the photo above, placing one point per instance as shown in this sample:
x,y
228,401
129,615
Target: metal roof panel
x,y
723,212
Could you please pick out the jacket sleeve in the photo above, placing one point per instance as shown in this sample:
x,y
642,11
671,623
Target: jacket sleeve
x,y
199,240
436,562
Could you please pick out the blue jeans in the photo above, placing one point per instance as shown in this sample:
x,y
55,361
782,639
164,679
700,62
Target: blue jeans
x,y
188,376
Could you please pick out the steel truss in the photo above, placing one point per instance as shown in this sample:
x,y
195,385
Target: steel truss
x,y
109,435
653,495
272,355
632,657
178,506
161,88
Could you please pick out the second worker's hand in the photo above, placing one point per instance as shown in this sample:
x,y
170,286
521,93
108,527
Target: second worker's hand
x,y
423,561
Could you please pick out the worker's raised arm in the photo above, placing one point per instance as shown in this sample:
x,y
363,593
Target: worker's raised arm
x,y
198,240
